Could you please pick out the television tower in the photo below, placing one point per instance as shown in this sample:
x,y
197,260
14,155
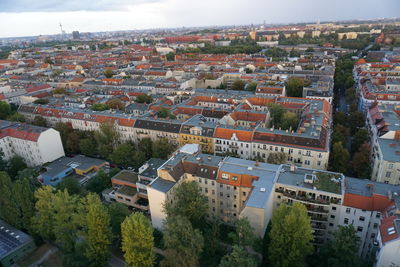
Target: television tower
x,y
62,31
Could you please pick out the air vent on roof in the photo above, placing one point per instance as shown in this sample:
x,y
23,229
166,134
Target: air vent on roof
x,y
249,168
262,189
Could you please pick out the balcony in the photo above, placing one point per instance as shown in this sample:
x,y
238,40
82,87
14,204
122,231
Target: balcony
x,y
318,218
317,209
305,199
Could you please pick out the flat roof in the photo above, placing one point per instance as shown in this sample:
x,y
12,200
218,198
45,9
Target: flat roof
x,y
127,191
126,176
161,185
11,239
325,181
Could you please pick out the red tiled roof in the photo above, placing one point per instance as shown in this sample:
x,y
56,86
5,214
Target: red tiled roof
x,y
387,223
225,133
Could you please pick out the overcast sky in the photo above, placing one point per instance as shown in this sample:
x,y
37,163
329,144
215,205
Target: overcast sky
x,y
40,17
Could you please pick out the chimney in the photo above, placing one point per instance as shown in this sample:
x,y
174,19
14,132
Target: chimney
x,y
257,163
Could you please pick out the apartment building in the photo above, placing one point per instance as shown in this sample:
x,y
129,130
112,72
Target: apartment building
x,y
36,145
383,124
238,188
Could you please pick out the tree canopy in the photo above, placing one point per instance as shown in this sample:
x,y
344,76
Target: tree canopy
x,y
188,202
183,244
137,240
290,236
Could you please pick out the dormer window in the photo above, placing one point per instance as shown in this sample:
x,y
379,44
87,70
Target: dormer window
x,y
225,176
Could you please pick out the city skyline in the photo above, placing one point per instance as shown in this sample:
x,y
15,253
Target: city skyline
x,y
23,18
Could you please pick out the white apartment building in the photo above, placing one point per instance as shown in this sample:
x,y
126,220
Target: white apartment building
x,y
241,188
36,145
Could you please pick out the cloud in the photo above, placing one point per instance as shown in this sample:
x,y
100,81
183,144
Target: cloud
x,y
17,6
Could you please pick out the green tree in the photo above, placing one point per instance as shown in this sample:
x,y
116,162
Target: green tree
x,y
118,212
360,137
71,185
361,162
276,112
43,221
356,120
244,233
251,86
183,244
99,107
64,208
238,257
99,182
162,148
170,56
294,53
139,158
15,164
277,158
5,110
39,121
137,240
107,138
340,134
188,202
143,98
165,113
72,144
123,155
340,118
294,87
17,117
116,103
340,158
23,196
108,73
238,85
145,145
289,121
88,146
9,208
64,129
41,101
95,221
291,236
343,249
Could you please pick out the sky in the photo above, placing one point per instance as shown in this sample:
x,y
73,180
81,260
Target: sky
x,y
41,17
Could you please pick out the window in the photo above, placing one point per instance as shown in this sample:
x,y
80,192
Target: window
x,y
375,225
331,224
346,221
388,174
234,178
213,201
332,216
244,193
333,208
206,190
362,218
225,176
221,194
390,166
378,215
348,210
359,229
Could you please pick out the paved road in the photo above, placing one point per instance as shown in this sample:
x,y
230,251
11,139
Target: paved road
x,y
116,261
44,257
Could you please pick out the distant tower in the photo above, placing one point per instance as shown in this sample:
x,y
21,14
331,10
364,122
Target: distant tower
x,y
62,31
